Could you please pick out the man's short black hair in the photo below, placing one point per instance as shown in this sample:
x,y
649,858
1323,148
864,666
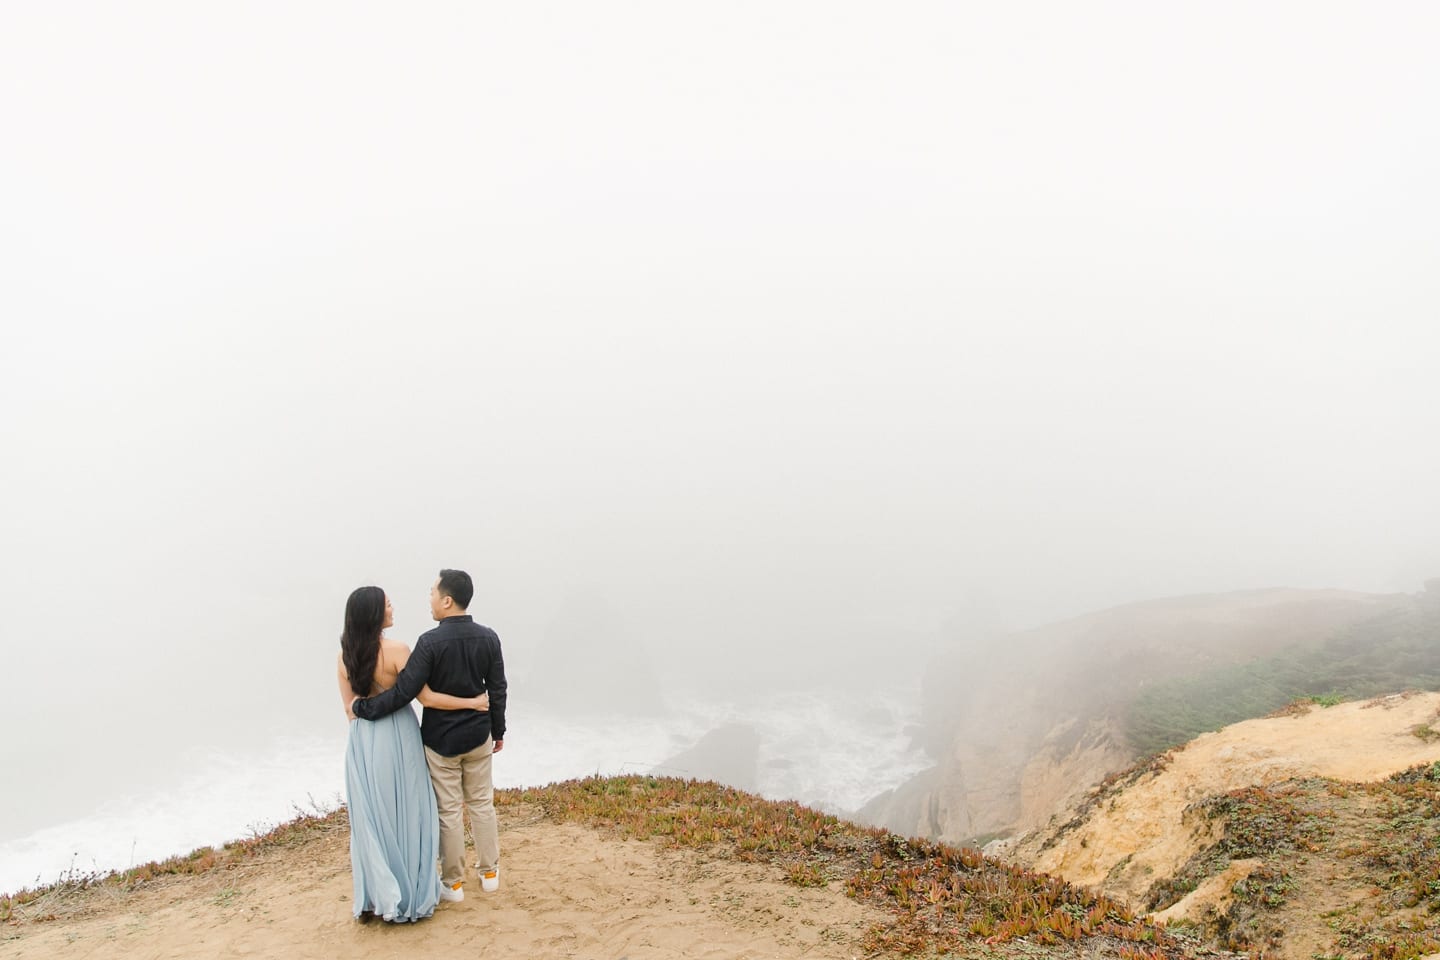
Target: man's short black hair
x,y
456,585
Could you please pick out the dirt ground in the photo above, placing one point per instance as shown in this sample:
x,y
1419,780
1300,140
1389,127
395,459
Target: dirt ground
x,y
566,891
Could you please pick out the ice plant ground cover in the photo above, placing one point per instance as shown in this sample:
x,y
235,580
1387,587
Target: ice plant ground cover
x,y
938,898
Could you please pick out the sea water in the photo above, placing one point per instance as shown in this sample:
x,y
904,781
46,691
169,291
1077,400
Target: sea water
x,y
814,747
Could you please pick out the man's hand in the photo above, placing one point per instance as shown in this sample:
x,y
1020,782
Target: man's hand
x,y
350,710
499,745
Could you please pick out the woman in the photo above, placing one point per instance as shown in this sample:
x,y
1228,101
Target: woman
x,y
394,832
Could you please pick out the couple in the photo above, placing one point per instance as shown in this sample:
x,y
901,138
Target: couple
x,y
458,675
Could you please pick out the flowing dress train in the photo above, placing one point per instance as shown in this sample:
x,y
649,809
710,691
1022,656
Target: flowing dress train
x,y
394,828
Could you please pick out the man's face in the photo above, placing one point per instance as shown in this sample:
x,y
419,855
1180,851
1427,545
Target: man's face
x,y
439,603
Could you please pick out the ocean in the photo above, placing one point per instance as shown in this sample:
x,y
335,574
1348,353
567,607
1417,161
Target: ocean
x,y
815,747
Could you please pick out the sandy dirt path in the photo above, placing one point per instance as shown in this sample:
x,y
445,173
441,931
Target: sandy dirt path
x,y
567,891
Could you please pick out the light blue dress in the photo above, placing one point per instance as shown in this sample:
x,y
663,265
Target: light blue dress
x,y
394,829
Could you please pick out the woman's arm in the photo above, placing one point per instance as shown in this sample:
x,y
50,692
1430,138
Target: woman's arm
x,y
347,695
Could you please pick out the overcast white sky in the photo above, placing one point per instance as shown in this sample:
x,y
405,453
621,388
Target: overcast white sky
x,y
757,325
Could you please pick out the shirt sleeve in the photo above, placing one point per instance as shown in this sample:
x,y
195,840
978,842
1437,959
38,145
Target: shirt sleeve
x,y
495,685
407,686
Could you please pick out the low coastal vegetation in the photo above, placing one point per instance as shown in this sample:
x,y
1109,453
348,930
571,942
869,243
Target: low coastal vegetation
x,y
938,898
1354,867
941,898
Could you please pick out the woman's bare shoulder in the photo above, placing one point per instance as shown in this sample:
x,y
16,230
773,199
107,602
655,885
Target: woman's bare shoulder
x,y
393,654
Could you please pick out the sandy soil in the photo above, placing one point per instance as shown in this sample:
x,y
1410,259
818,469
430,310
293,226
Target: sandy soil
x,y
1141,835
1213,895
567,891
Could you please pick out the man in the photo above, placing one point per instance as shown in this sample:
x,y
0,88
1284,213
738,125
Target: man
x,y
462,658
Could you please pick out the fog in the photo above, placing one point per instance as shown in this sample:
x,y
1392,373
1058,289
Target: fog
x,y
787,343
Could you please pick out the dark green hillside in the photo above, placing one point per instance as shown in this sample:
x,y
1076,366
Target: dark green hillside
x,y
1396,650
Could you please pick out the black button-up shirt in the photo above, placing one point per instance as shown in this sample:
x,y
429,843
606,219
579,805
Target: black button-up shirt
x,y
458,657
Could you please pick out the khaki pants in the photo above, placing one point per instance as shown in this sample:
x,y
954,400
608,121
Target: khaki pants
x,y
460,782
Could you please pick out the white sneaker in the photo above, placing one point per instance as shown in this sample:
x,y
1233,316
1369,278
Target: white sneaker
x,y
453,894
490,880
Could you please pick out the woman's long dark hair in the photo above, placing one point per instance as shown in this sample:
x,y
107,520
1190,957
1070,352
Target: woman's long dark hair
x,y
360,643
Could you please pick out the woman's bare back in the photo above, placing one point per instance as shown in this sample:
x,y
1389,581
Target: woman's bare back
x,y
388,665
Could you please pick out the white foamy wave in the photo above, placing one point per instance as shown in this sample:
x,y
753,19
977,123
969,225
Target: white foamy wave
x,y
826,749
225,798
835,755
541,749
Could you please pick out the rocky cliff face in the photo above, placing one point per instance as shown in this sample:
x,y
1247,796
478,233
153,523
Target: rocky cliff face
x,y
1013,779
1022,725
